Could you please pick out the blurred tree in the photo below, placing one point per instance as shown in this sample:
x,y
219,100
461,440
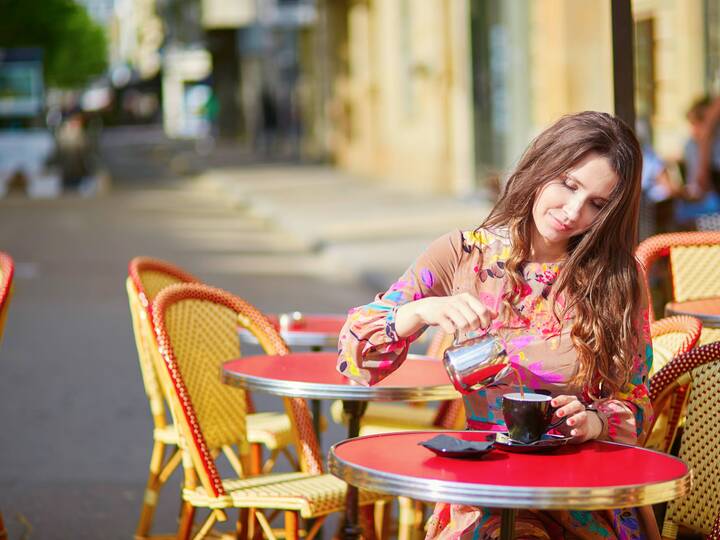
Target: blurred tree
x,y
75,46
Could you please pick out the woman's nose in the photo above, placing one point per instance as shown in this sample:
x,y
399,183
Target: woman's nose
x,y
572,208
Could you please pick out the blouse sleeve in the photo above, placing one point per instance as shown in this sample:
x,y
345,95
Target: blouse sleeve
x,y
369,349
627,416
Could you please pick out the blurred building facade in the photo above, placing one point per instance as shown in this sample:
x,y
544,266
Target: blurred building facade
x,y
442,96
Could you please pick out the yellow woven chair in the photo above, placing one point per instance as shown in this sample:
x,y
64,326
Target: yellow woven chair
x,y
7,271
147,277
196,327
694,259
698,369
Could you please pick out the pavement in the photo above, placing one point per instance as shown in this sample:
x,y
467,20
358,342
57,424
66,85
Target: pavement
x,y
75,431
342,226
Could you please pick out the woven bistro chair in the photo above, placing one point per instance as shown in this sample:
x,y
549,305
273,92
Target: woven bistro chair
x,y
694,258
671,337
699,369
147,277
196,327
7,272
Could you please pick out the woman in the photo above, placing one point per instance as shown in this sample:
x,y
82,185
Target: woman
x,y
552,273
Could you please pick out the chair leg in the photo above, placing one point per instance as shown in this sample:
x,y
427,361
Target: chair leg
x,y
3,531
187,516
409,519
242,525
256,463
152,489
383,515
367,521
291,526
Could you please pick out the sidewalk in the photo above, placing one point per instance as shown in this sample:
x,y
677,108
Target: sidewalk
x,y
352,228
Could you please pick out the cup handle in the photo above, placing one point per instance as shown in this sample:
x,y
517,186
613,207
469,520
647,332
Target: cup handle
x,y
556,424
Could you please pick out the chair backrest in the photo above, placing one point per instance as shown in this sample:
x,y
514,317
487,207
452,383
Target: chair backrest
x,y
197,330
693,257
146,278
700,445
150,276
7,272
671,336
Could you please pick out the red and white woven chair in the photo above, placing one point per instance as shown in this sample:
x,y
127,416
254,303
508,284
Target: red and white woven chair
x,y
196,326
147,277
671,337
7,271
699,369
694,258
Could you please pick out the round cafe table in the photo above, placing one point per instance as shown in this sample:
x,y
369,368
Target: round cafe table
x,y
313,375
591,476
707,310
316,331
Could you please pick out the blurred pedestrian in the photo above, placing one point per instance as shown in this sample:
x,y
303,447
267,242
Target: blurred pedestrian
x,y
701,162
72,153
658,188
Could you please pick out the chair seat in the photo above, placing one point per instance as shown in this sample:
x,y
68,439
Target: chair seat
x,y
271,429
311,495
383,417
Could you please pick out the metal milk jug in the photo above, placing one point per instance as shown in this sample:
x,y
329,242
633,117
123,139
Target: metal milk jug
x,y
473,363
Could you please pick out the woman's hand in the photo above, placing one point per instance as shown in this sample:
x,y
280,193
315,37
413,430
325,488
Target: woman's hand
x,y
462,312
582,424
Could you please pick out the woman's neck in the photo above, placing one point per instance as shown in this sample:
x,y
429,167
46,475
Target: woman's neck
x,y
542,251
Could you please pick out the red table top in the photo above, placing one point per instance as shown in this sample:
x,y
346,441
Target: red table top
x,y
308,374
706,309
593,465
313,324
313,330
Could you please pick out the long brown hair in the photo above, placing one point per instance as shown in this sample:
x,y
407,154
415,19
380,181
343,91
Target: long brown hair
x,y
599,279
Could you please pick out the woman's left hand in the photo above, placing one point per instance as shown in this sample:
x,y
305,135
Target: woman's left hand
x,y
581,424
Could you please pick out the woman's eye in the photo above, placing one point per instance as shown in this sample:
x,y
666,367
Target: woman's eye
x,y
598,205
568,184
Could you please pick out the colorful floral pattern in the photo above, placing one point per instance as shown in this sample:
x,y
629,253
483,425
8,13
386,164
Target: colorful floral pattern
x,y
538,347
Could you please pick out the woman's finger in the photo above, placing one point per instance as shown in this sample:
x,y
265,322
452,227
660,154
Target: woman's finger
x,y
457,318
470,316
578,419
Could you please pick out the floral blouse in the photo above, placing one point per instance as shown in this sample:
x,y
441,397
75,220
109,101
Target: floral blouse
x,y
538,347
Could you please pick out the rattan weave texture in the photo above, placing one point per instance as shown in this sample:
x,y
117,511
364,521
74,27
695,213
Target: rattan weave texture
x,y
671,336
203,335
660,245
692,270
700,446
188,318
311,495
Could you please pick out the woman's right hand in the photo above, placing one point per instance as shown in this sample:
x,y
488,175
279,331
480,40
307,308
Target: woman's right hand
x,y
463,312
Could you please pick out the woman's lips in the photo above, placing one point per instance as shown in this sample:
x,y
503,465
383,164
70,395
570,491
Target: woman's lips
x,y
558,225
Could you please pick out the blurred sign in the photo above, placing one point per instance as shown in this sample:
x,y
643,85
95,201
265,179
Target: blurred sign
x,y
21,82
218,14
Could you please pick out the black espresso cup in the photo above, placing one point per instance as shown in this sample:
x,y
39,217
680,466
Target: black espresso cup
x,y
528,417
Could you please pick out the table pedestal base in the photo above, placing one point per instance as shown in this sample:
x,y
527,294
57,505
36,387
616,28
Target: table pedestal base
x,y
351,529
507,523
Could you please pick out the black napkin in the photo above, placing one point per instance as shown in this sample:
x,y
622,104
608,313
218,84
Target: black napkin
x,y
445,443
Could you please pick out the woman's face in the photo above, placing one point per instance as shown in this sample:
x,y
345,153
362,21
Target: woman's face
x,y
568,206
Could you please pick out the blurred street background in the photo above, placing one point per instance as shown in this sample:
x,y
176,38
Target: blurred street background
x,y
298,153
